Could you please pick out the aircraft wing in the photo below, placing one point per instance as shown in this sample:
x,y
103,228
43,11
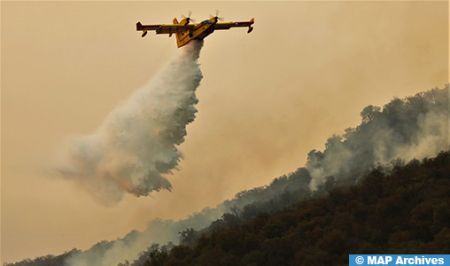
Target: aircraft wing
x,y
228,25
163,28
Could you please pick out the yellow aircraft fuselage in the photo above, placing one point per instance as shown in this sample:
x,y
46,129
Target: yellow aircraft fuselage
x,y
199,33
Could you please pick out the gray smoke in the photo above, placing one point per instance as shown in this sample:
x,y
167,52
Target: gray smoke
x,y
128,248
136,145
412,128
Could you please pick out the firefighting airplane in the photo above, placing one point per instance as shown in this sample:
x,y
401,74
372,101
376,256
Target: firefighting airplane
x,y
186,32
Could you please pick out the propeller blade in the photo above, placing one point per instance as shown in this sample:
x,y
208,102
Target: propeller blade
x,y
216,16
188,17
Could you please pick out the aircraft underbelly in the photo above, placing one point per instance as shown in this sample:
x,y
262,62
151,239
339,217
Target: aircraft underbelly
x,y
197,34
204,33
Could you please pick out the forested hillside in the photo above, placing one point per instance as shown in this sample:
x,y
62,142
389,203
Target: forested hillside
x,y
405,211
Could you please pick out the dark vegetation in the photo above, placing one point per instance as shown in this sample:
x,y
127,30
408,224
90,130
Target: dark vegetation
x,y
405,211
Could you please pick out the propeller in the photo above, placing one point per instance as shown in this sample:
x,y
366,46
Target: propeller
x,y
217,16
188,18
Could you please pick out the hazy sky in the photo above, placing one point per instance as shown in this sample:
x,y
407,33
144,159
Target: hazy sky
x,y
266,99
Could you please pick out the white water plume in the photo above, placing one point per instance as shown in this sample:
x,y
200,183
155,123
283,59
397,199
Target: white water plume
x,y
137,144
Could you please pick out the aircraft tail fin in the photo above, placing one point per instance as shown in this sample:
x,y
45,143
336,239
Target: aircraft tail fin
x,y
177,35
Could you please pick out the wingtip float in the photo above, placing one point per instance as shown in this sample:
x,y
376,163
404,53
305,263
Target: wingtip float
x,y
185,31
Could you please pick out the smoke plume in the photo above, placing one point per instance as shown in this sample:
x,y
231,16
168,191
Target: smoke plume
x,y
404,129
136,145
128,248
